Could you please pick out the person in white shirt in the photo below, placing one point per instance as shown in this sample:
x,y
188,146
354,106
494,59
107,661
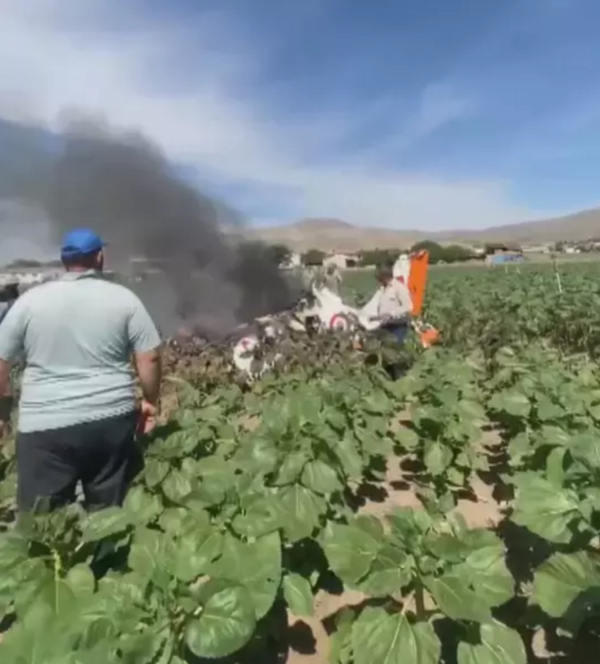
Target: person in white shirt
x,y
333,279
395,304
394,311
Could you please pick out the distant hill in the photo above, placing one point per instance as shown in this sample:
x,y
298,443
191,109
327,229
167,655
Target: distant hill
x,y
571,228
334,234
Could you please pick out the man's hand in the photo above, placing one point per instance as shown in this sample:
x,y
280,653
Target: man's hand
x,y
148,418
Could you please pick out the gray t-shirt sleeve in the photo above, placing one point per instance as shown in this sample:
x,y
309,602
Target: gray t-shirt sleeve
x,y
143,335
12,332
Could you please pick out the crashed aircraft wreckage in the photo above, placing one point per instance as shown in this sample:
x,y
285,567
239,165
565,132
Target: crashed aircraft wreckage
x,y
322,311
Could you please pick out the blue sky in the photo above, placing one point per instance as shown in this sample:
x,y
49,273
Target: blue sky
x,y
424,114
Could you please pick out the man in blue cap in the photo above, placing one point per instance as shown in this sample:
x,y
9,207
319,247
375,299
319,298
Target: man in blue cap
x,y
77,412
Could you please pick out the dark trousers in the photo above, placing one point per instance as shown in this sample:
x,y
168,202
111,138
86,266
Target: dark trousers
x,y
398,332
103,455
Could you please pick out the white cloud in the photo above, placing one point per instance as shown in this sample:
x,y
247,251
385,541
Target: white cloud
x,y
52,59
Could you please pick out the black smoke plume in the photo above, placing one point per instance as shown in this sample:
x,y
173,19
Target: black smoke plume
x,y
123,187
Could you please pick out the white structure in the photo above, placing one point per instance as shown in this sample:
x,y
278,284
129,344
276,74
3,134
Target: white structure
x,y
341,260
401,268
294,260
28,278
539,249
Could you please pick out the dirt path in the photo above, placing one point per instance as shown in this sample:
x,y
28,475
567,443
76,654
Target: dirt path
x,y
395,491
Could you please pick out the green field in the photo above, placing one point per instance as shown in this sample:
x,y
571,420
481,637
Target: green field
x,y
449,517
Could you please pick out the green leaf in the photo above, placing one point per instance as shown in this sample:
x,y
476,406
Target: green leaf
x,y
555,436
382,638
142,506
520,447
555,471
320,478
447,546
178,445
437,457
226,623
585,448
408,439
221,471
498,645
472,411
147,646
546,410
298,595
512,402
155,472
347,452
176,486
336,419
149,555
291,468
81,580
564,579
179,519
390,572
350,550
13,550
261,518
486,570
104,523
456,600
371,525
309,409
340,642
456,477
301,511
545,510
27,581
194,552
376,404
408,526
59,596
260,454
256,565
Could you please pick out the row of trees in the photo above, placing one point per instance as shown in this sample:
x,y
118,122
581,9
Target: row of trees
x,y
280,254
437,254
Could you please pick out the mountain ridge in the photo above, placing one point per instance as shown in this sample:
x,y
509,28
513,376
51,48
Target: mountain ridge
x,y
329,234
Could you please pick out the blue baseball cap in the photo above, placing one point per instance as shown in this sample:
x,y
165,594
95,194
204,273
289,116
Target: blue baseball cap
x,y
80,242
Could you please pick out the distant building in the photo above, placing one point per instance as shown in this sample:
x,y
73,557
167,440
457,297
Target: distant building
x,y
342,260
28,277
537,249
505,258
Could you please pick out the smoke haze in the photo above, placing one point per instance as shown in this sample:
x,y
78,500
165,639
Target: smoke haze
x,y
123,187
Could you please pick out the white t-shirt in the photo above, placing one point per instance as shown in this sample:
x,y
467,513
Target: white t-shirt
x,y
395,301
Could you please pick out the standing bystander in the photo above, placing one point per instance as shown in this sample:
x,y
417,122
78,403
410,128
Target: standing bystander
x,y
78,417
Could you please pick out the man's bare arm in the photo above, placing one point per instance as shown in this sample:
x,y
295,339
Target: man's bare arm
x,y
4,378
6,397
148,366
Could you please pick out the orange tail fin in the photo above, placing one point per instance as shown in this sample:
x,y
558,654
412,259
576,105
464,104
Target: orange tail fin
x,y
417,280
